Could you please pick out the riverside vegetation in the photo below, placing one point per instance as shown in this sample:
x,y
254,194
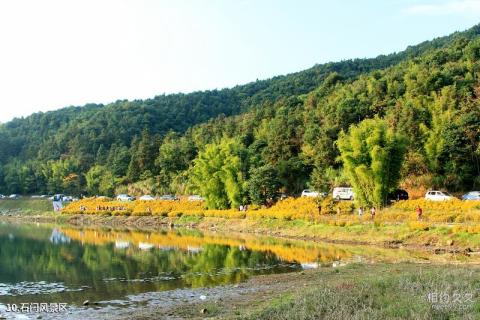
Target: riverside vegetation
x,y
409,118
442,224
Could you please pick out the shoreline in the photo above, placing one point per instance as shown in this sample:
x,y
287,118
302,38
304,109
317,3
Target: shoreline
x,y
289,230
286,295
273,295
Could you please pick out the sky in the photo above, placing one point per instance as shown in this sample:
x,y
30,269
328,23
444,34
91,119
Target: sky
x,y
57,53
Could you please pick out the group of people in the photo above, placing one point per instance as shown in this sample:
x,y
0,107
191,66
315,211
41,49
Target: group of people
x,y
373,211
106,208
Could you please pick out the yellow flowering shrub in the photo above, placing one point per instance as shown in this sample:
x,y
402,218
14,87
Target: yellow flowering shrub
x,y
288,209
328,211
450,205
232,213
452,211
466,228
99,206
138,208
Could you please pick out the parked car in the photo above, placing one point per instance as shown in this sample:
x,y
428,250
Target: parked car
x,y
472,195
57,197
169,197
310,193
435,195
398,195
125,197
2,196
196,197
343,193
14,196
146,197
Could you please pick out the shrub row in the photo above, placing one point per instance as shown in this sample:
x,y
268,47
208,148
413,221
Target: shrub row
x,y
310,209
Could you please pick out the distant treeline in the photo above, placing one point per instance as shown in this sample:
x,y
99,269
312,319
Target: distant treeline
x,y
250,142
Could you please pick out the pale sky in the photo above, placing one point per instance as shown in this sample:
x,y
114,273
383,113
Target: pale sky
x,y
56,53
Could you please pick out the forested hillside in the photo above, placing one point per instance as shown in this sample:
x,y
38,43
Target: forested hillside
x,y
247,143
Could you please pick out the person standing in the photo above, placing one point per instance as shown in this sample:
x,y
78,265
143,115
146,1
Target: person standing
x,y
360,211
419,212
373,211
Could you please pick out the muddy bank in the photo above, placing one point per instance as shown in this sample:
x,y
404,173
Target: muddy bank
x,y
188,303
306,294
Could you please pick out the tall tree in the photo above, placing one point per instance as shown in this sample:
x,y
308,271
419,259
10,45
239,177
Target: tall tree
x,y
100,181
372,155
263,184
217,174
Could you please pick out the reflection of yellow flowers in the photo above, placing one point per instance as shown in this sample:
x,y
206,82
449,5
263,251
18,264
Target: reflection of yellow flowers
x,y
301,252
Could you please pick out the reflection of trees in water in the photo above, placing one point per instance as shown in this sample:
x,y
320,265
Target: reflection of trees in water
x,y
131,270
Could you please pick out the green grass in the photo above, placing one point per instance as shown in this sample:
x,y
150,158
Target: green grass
x,y
380,292
26,206
188,219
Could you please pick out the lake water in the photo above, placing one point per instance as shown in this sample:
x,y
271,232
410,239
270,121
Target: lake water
x,y
46,264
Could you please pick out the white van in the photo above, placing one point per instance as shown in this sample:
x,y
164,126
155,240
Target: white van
x,y
434,195
343,193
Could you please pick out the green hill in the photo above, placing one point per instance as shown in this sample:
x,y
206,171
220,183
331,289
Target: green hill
x,y
287,125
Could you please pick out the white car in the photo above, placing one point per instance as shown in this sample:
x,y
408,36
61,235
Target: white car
x,y
196,197
146,197
125,197
343,193
472,195
310,193
438,195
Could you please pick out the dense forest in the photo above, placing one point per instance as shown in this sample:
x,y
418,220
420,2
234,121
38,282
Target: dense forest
x,y
411,118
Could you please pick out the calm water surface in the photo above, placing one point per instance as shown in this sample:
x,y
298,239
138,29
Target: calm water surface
x,y
64,264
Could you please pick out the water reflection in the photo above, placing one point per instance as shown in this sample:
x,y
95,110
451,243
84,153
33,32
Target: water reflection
x,y
69,265
62,264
